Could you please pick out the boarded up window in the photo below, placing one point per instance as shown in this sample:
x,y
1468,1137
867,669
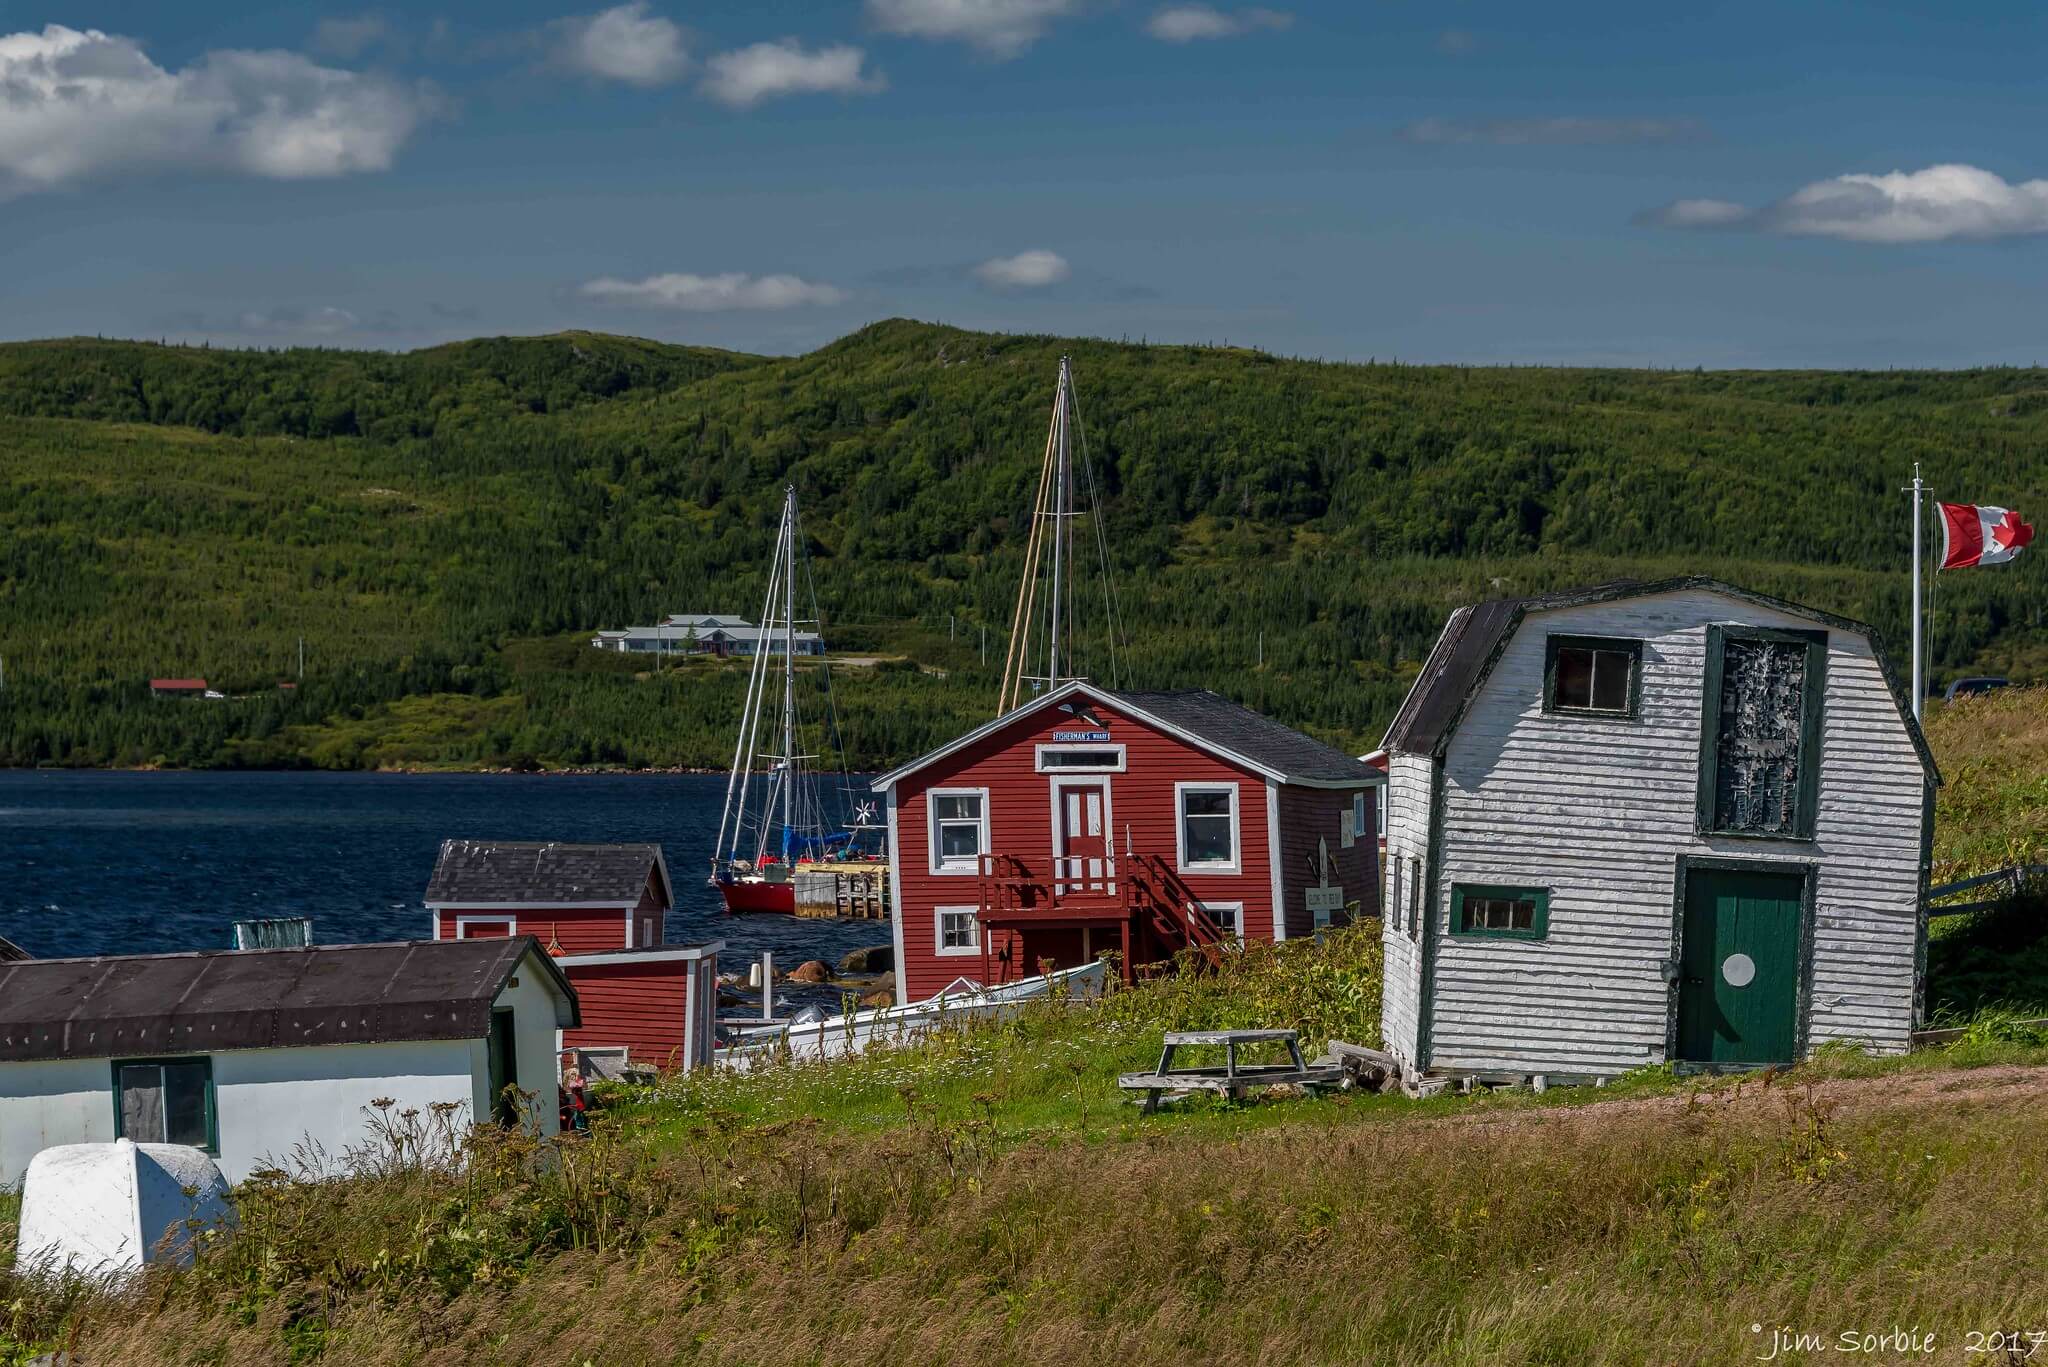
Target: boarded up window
x,y
1759,753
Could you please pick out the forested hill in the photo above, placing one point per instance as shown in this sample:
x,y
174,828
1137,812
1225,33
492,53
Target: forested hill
x,y
445,528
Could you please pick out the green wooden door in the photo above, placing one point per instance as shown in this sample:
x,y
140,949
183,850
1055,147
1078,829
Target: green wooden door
x,y
504,1060
1738,996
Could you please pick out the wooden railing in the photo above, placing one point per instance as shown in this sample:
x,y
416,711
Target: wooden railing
x,y
1142,890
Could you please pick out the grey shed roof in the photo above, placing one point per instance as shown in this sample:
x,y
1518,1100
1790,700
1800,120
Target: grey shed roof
x,y
1474,637
11,952
544,873
119,1006
1235,728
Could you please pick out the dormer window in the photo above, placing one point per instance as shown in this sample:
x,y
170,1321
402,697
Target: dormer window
x,y
1594,676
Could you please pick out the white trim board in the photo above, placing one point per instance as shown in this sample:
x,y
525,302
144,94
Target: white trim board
x,y
644,956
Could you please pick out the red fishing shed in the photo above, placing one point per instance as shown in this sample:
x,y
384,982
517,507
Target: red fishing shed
x,y
600,911
1092,820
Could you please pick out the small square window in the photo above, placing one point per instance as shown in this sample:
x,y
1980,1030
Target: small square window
x,y
1594,675
1506,912
959,930
167,1101
1228,916
959,829
1208,828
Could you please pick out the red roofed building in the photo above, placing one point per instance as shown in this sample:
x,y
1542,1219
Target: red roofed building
x,y
177,688
1090,820
600,912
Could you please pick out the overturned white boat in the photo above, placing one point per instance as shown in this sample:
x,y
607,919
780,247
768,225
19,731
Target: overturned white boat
x,y
103,1210
960,1002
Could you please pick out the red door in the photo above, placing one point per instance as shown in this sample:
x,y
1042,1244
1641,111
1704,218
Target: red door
x,y
1081,836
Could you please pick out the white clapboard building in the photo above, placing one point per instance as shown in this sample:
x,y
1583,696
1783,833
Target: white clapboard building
x,y
1647,822
250,1054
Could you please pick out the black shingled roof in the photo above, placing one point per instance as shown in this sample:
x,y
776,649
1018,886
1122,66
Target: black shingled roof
x,y
1236,728
493,872
120,1006
1474,637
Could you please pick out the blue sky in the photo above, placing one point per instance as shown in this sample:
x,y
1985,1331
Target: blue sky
x,y
1730,185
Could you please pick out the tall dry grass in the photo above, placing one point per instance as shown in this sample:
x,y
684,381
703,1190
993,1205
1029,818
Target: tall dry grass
x,y
1992,809
1633,1232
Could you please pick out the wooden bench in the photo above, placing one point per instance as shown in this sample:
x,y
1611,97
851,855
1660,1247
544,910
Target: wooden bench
x,y
1232,1079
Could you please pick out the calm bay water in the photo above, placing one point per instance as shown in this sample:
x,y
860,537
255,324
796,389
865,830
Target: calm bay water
x,y
101,863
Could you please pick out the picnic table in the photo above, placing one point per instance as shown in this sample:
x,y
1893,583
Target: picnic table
x,y
1232,1079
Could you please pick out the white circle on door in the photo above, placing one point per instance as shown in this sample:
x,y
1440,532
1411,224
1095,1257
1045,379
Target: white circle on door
x,y
1739,970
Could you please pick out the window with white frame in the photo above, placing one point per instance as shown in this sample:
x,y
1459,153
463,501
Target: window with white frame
x,y
1207,827
1228,916
1086,759
485,927
959,821
959,931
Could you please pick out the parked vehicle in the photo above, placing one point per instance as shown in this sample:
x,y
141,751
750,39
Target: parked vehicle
x,y
1970,687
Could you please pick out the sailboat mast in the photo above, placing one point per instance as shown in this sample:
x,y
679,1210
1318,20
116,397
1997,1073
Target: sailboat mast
x,y
1062,507
789,762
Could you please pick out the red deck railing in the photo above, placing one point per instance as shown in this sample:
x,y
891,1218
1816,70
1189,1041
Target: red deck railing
x,y
1139,895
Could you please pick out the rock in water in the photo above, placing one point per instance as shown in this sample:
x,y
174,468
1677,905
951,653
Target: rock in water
x,y
811,971
875,959
106,1209
885,997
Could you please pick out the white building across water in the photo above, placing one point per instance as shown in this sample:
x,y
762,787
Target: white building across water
x,y
686,633
1648,822
250,1054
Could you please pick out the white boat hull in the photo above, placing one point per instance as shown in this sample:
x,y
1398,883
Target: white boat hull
x,y
897,1025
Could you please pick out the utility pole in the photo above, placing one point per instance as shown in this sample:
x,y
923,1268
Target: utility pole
x,y
1262,647
302,659
984,641
951,635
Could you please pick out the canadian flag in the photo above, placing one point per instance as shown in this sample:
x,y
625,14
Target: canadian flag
x,y
1974,535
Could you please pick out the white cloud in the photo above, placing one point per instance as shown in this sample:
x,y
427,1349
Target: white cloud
x,y
624,43
1186,23
1555,131
1000,28
77,104
320,322
1697,213
1030,270
350,36
714,293
1936,204
766,70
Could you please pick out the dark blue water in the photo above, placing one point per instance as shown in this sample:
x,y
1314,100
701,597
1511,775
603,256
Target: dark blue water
x,y
109,863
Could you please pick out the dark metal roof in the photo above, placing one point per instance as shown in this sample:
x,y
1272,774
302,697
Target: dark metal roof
x,y
11,952
122,1005
1474,637
1235,728
544,872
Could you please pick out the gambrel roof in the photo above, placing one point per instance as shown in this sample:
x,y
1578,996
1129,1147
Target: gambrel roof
x,y
1204,719
546,873
1475,635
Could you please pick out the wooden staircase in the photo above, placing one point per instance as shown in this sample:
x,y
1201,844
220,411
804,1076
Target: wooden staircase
x,y
1140,895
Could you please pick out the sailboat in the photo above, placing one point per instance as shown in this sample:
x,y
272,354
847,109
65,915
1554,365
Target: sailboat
x,y
776,827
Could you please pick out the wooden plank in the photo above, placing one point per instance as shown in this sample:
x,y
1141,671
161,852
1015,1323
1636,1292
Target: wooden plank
x,y
1178,1037
1215,1080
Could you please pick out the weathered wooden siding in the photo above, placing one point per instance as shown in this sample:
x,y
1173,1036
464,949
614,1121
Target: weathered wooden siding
x,y
1600,811
579,930
645,1007
1308,817
1141,818
1408,779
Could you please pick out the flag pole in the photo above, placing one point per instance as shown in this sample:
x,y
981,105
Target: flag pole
x,y
1919,685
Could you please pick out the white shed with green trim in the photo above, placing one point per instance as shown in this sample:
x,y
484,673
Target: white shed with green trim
x,y
1647,822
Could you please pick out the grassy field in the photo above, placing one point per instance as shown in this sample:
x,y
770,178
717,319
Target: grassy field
x,y
991,1196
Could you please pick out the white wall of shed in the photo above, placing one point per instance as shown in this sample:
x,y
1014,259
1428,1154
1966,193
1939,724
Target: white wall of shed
x,y
1407,797
51,1102
269,1103
537,1040
1600,810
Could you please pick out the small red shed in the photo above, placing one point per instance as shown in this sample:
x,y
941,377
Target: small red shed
x,y
600,912
582,899
1091,820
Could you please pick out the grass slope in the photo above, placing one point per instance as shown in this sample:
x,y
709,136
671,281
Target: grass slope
x,y
443,525
989,1198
